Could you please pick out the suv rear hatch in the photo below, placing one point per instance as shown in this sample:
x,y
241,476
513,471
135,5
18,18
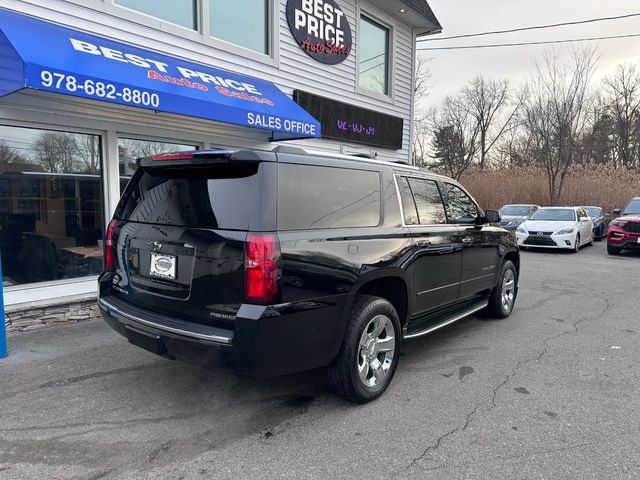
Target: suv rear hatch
x,y
182,225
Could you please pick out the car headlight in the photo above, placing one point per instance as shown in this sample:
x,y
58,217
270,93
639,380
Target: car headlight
x,y
619,223
566,231
521,230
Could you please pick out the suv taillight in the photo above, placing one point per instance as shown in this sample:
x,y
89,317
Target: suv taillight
x,y
261,268
110,248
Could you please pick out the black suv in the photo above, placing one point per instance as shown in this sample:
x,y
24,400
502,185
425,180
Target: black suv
x,y
282,261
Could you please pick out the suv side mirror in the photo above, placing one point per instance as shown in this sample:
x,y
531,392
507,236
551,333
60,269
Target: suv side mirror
x,y
616,211
492,216
584,219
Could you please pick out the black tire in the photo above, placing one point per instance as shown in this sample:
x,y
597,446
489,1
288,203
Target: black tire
x,y
599,233
497,308
613,250
343,374
576,247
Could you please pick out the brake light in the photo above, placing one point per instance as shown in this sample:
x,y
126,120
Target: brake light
x,y
172,156
261,268
110,248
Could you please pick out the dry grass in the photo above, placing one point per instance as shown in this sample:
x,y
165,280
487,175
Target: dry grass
x,y
598,185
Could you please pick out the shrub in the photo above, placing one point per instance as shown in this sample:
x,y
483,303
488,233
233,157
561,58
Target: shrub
x,y
599,185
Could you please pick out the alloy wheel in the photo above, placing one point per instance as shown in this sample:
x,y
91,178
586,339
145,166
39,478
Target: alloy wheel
x,y
376,351
508,294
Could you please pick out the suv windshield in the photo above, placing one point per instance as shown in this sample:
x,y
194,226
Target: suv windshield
x,y
632,208
594,212
515,210
555,215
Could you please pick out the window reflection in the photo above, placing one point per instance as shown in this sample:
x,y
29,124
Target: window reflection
x,y
130,149
374,56
428,201
462,208
232,22
51,206
180,12
311,197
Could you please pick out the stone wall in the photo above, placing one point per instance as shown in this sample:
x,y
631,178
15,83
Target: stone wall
x,y
31,317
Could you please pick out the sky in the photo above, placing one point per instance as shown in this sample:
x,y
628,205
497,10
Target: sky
x,y
452,69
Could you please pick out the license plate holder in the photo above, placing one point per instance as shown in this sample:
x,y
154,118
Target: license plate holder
x,y
163,266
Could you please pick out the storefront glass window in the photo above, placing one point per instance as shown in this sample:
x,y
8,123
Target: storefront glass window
x,y
51,205
180,12
130,149
374,56
242,22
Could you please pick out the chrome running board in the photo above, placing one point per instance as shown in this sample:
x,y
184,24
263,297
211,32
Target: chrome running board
x,y
451,320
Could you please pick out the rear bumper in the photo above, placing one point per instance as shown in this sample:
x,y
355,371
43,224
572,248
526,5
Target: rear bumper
x,y
265,341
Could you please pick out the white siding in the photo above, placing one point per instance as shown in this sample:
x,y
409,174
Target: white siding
x,y
291,68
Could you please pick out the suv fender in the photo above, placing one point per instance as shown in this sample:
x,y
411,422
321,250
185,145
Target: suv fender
x,y
391,284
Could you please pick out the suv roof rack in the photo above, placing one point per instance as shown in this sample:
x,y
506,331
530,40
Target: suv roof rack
x,y
360,157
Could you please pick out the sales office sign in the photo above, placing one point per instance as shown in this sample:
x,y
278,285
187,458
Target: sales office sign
x,y
321,29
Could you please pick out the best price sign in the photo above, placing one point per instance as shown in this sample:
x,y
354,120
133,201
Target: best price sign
x,y
321,29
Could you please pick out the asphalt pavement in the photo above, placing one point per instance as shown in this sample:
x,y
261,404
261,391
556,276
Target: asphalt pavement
x,y
552,392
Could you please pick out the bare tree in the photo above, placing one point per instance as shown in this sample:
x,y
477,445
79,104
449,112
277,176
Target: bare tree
x,y
421,124
486,100
555,113
88,150
423,84
56,152
455,138
10,158
623,90
421,139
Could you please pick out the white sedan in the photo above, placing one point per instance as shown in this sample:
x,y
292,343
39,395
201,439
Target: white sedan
x,y
556,227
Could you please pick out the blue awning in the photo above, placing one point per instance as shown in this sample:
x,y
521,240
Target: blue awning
x,y
39,55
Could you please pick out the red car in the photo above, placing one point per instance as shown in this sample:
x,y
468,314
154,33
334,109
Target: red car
x,y
624,231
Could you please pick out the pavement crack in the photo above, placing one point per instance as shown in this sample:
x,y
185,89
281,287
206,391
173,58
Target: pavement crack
x,y
433,447
514,371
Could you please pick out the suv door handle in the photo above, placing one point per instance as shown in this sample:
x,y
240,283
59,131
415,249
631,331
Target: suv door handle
x,y
423,243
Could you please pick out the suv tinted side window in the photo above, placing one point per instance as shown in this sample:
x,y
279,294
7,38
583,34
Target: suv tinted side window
x,y
428,201
312,197
421,201
461,208
408,203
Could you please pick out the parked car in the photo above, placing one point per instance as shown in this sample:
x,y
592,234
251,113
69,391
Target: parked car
x,y
556,227
283,261
514,215
600,221
624,231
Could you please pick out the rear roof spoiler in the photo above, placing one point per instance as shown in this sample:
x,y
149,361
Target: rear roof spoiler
x,y
203,157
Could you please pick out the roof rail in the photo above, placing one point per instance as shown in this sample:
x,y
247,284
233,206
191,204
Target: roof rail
x,y
288,149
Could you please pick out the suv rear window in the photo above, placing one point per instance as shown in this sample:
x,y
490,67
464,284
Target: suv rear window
x,y
312,197
218,196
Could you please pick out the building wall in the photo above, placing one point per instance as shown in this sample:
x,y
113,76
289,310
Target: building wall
x,y
290,67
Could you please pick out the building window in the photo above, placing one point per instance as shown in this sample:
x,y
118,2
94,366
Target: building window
x,y
51,205
242,22
180,12
130,149
373,57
